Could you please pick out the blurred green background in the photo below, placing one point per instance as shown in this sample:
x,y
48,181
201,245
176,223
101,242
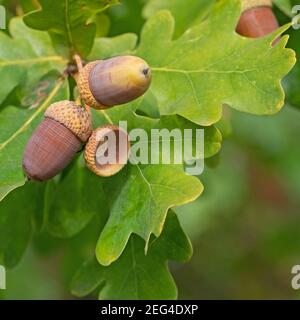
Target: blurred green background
x,y
245,229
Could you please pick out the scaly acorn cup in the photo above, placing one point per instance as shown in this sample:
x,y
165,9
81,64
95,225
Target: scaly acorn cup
x,y
107,150
257,19
106,83
56,141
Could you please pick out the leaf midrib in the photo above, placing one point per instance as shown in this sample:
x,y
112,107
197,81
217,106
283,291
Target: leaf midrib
x,y
186,72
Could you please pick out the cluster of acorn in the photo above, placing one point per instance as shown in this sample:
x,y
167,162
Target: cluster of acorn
x,y
66,126
103,84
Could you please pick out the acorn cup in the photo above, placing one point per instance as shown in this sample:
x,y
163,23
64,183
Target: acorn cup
x,y
257,19
106,83
56,141
107,150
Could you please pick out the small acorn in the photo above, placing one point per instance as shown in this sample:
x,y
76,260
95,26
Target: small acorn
x,y
257,19
56,141
107,150
106,83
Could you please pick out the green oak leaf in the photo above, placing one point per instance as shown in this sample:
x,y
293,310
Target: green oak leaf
x,y
186,13
73,201
25,57
139,198
136,275
16,221
70,23
211,65
17,125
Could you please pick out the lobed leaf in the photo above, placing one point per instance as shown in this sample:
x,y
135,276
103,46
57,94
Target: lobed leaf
x,y
139,198
136,275
211,65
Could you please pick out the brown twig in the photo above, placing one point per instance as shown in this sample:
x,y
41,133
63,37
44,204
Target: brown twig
x,y
78,62
79,65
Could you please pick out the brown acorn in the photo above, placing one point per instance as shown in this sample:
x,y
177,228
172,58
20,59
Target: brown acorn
x,y
107,150
257,19
106,83
56,141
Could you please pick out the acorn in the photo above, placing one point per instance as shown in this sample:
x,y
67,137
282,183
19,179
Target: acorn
x,y
106,83
107,150
257,19
56,141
